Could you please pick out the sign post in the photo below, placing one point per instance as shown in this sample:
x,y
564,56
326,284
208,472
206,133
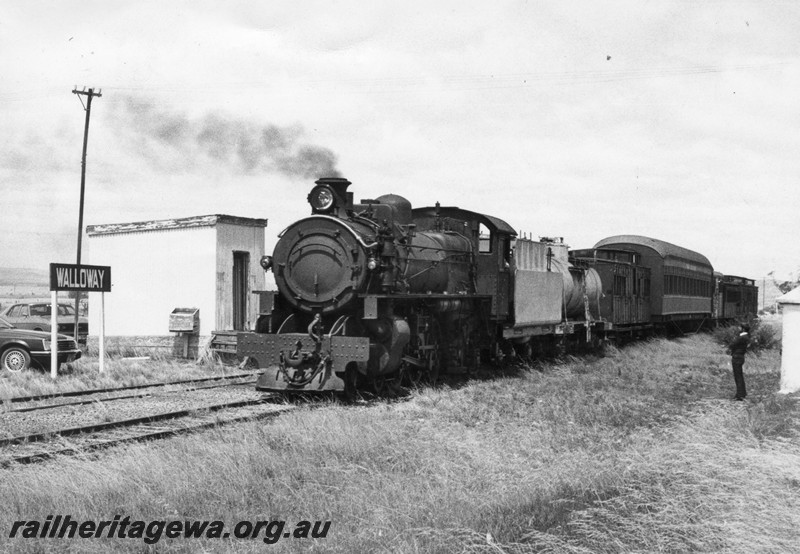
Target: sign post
x,y
102,345
54,335
85,278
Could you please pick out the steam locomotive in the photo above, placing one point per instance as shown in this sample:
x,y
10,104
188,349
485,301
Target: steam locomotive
x,y
375,293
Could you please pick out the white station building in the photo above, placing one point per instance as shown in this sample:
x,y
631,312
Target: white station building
x,y
203,268
790,351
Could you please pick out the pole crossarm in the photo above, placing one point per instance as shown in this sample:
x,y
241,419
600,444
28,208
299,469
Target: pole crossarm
x,y
90,93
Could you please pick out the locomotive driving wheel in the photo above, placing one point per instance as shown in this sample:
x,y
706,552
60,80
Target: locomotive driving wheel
x,y
351,384
428,352
433,363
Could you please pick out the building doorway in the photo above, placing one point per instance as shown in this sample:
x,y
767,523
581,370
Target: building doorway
x,y
241,270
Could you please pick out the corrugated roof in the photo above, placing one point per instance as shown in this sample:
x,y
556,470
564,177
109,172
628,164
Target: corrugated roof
x,y
663,248
167,224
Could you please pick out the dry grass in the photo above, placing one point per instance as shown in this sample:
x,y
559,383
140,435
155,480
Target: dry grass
x,y
639,451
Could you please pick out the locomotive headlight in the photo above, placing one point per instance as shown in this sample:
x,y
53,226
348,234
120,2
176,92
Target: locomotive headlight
x,y
266,262
321,198
372,264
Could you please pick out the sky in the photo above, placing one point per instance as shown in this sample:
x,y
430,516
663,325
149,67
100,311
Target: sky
x,y
678,120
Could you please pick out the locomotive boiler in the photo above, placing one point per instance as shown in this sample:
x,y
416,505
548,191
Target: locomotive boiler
x,y
323,262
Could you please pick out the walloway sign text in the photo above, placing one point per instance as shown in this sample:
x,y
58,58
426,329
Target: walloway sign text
x,y
90,278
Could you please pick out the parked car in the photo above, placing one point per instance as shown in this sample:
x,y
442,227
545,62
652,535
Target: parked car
x,y
23,348
36,316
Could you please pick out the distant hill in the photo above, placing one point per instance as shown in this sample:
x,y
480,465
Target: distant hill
x,y
23,284
24,277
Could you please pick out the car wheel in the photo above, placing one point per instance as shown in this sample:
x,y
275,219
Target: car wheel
x,y
15,359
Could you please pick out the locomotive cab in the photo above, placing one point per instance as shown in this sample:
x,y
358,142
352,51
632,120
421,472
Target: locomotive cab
x,y
494,267
491,240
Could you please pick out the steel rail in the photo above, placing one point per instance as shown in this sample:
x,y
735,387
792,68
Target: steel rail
x,y
148,434
87,392
38,437
124,397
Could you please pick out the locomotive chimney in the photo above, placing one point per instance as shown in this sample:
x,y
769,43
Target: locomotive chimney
x,y
338,184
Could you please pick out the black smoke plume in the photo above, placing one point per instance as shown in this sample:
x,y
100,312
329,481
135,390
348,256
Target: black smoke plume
x,y
175,141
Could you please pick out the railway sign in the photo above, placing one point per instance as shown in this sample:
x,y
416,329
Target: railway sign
x,y
88,278
84,278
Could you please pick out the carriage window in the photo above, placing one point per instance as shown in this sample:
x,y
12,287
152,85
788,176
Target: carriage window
x,y
484,239
619,285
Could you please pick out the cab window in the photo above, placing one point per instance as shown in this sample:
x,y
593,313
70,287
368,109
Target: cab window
x,y
484,239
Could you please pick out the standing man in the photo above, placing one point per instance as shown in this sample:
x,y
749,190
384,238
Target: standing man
x,y
738,348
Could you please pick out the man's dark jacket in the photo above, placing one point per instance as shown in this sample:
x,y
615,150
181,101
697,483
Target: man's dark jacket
x,y
739,345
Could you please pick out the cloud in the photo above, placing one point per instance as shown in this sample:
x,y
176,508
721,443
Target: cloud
x,y
28,151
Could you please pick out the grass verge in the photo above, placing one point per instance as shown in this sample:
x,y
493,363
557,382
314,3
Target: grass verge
x,y
641,450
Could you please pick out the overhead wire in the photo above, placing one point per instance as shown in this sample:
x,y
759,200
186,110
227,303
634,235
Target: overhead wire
x,y
447,82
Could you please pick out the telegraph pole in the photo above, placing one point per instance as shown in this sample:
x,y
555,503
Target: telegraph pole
x,y
89,94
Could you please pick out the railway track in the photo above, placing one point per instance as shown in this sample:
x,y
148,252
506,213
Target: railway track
x,y
40,427
111,390
28,420
109,396
35,447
